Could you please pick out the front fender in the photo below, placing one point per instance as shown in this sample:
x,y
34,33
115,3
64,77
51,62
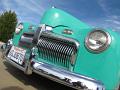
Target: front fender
x,y
104,66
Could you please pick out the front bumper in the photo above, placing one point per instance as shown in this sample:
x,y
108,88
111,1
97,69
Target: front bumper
x,y
60,75
14,64
66,77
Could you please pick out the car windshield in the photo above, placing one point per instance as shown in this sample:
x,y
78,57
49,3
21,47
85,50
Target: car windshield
x,y
97,13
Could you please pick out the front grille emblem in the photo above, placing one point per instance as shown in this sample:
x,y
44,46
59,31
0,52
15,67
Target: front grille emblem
x,y
67,31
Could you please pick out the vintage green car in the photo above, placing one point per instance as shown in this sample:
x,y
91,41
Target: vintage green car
x,y
68,51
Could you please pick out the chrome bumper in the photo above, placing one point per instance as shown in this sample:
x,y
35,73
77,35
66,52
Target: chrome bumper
x,y
26,69
66,77
59,75
14,64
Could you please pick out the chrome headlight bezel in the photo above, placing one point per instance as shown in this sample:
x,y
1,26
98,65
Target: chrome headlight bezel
x,y
103,47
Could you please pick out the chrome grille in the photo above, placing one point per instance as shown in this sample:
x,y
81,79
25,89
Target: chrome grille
x,y
57,50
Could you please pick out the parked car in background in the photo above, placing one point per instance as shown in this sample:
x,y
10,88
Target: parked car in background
x,y
66,50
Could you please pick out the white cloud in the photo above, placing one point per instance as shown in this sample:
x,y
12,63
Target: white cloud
x,y
31,6
115,16
116,22
103,5
26,10
5,4
113,21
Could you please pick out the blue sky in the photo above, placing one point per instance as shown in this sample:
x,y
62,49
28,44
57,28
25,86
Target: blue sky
x,y
98,13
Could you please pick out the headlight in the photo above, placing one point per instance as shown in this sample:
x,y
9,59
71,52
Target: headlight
x,y
97,41
19,28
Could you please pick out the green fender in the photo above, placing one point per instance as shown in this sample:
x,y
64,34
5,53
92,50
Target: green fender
x,y
104,66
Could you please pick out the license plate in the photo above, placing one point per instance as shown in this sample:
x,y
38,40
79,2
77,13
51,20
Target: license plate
x,y
17,54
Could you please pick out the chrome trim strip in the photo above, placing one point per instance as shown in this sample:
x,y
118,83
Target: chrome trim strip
x,y
66,77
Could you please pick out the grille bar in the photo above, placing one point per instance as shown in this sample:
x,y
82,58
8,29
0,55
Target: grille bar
x,y
57,50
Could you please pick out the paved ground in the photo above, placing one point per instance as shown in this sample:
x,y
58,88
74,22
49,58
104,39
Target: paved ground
x,y
1,43
14,79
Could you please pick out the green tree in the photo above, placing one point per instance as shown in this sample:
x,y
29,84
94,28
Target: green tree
x,y
8,21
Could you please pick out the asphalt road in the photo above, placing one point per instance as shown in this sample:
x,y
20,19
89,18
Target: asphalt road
x,y
13,79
